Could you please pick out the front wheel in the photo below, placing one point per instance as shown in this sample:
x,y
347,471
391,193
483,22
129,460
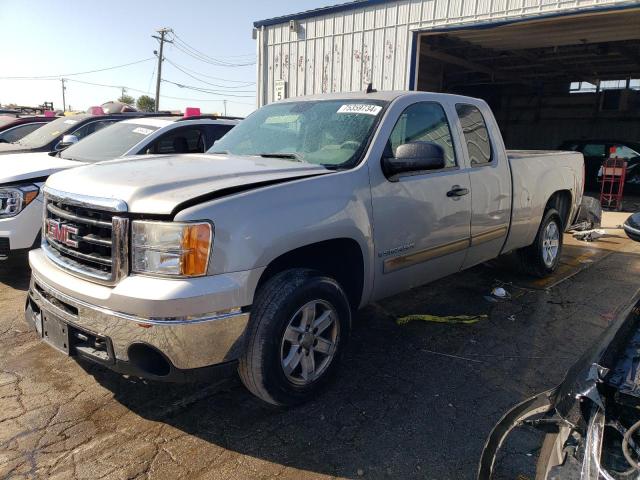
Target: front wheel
x,y
298,328
542,257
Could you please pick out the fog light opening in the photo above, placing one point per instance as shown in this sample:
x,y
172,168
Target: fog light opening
x,y
149,360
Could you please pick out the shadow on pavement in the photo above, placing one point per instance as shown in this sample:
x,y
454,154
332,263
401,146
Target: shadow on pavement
x,y
410,401
15,271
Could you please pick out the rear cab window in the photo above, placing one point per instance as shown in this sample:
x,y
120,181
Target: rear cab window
x,y
476,134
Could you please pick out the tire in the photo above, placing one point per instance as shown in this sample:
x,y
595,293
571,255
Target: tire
x,y
534,259
283,306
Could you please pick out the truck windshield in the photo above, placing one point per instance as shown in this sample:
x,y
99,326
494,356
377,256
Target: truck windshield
x,y
108,143
333,133
45,134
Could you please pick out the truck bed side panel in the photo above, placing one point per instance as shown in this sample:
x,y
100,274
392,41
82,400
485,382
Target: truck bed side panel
x,y
537,175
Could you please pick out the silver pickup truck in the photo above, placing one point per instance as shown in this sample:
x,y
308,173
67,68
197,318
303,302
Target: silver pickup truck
x,y
258,253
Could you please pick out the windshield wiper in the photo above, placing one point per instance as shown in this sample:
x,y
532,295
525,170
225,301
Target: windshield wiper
x,y
290,156
222,152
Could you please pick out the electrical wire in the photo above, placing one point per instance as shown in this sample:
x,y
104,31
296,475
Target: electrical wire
x,y
184,47
625,445
161,96
204,81
212,92
48,77
215,78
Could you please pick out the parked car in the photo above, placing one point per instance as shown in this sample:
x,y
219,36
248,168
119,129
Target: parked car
x,y
63,132
23,175
591,419
13,127
596,151
261,251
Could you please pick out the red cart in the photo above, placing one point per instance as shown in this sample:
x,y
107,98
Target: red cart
x,y
614,171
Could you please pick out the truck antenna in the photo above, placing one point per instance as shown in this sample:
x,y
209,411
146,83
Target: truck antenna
x,y
370,88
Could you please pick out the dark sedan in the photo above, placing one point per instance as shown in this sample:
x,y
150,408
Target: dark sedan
x,y
596,151
13,127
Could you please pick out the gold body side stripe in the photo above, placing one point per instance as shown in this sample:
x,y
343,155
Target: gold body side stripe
x,y
404,261
397,263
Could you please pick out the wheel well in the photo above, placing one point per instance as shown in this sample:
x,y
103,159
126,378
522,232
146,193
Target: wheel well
x,y
339,258
561,201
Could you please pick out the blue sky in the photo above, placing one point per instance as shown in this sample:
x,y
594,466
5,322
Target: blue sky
x,y
47,37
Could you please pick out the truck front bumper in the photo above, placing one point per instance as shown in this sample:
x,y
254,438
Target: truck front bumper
x,y
168,347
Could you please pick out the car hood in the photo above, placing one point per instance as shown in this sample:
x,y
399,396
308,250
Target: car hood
x,y
160,184
27,166
12,148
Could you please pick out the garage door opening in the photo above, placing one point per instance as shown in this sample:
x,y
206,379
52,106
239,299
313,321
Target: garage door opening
x,y
548,80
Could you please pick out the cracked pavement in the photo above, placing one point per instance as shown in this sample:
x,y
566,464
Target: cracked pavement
x,y
412,401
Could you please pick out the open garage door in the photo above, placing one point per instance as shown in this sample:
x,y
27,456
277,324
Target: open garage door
x,y
548,80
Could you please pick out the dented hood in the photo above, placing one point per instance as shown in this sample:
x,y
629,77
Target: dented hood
x,y
160,184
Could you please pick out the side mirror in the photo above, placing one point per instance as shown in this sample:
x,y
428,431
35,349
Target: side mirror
x,y
632,227
414,157
67,141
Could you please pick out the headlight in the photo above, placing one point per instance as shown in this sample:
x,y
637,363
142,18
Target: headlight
x,y
14,199
171,248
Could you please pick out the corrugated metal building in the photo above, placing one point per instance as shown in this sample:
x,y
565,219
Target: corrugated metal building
x,y
544,62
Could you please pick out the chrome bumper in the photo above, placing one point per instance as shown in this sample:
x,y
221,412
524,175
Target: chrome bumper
x,y
189,343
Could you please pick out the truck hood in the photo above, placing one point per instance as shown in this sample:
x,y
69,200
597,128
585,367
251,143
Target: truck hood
x,y
160,184
27,166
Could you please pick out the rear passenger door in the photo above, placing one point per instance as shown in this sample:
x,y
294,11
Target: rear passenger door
x,y
421,219
490,182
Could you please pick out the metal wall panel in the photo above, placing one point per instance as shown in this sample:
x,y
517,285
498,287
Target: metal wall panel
x,y
344,51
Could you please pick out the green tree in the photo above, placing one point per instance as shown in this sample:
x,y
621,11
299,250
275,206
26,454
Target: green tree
x,y
146,103
127,99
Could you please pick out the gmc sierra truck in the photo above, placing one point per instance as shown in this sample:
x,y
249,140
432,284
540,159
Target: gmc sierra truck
x,y
258,253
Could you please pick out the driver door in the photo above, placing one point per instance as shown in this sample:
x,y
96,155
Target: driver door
x,y
421,228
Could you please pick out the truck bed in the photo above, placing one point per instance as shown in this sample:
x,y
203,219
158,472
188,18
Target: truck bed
x,y
553,171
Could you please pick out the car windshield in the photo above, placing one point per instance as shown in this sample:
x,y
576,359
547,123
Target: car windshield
x,y
333,133
108,143
43,135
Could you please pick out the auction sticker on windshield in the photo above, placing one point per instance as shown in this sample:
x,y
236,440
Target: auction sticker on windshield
x,y
70,122
360,108
142,131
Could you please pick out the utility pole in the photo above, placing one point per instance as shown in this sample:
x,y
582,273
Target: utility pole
x,y
64,103
225,107
162,32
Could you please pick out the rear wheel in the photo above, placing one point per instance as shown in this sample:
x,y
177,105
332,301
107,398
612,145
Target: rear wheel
x,y
299,324
542,257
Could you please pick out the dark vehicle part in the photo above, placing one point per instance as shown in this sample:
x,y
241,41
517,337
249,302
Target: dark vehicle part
x,y
589,216
591,417
631,227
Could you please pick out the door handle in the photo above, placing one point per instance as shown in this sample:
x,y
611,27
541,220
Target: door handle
x,y
457,191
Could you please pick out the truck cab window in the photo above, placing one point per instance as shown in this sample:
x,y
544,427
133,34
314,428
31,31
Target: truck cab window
x,y
426,122
475,133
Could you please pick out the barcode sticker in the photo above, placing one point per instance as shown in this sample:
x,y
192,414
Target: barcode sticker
x,y
360,108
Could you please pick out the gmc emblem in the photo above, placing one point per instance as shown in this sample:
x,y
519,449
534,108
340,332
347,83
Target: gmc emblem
x,y
61,233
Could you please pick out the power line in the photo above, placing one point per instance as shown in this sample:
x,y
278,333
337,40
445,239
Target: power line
x,y
204,81
213,92
215,78
55,77
149,93
203,57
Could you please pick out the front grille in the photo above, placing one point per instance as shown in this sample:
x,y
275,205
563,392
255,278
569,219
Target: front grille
x,y
88,240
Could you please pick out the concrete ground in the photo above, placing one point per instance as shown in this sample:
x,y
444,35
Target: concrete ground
x,y
412,401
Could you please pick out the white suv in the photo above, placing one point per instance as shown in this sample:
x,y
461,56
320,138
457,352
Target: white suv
x,y
23,175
